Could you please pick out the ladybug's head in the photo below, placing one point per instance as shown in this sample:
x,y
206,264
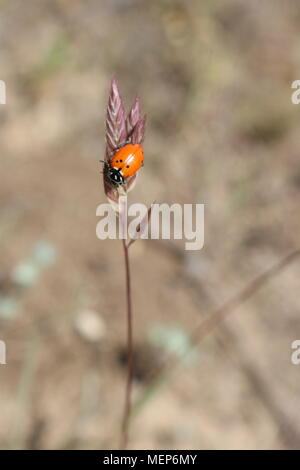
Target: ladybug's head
x,y
115,176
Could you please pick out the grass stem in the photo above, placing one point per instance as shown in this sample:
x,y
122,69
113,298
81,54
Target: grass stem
x,y
127,403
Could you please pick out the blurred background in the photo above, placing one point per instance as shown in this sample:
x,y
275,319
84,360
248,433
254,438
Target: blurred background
x,y
215,81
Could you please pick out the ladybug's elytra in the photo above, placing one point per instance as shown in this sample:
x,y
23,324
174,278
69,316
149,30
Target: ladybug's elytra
x,y
125,163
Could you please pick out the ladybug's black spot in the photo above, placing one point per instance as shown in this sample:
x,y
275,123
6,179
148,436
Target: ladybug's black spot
x,y
127,166
117,161
121,160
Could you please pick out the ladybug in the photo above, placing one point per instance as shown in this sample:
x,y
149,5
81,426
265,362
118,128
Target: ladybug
x,y
125,163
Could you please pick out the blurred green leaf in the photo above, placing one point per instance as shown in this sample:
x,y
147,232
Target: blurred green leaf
x,y
53,60
44,254
9,308
25,273
173,340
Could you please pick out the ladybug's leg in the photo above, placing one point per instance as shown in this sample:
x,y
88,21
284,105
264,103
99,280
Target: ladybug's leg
x,y
105,166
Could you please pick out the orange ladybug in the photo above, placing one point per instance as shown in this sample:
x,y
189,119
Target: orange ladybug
x,y
125,163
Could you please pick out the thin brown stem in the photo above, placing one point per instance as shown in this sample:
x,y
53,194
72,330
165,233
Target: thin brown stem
x,y
127,403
